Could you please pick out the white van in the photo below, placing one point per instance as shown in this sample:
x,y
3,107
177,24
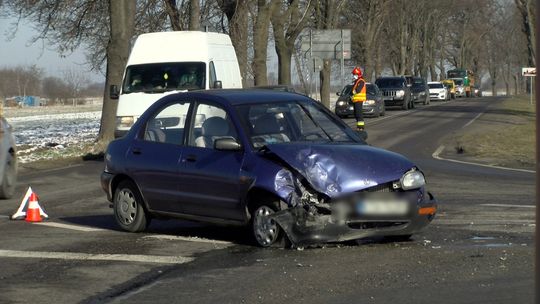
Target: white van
x,y
167,62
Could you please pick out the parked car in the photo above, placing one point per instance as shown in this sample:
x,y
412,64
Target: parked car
x,y
373,106
8,160
451,87
278,162
437,91
395,92
420,91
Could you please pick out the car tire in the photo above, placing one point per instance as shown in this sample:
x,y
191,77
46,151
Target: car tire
x,y
266,232
129,211
9,179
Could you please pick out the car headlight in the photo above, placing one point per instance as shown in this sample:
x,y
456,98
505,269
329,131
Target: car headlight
x,y
125,121
341,103
400,93
369,102
412,180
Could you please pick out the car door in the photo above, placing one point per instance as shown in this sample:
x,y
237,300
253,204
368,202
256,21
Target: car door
x,y
154,157
211,184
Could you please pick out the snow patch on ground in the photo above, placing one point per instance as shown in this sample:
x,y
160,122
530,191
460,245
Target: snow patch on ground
x,y
46,136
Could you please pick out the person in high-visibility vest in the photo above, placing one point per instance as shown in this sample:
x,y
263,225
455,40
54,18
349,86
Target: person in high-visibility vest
x,y
358,97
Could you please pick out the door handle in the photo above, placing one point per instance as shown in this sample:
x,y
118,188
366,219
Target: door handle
x,y
191,158
136,151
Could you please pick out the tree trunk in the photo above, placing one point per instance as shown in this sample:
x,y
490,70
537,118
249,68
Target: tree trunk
x,y
325,74
237,15
122,22
194,15
284,68
260,41
174,15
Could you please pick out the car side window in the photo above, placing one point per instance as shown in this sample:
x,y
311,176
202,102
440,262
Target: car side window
x,y
210,123
167,124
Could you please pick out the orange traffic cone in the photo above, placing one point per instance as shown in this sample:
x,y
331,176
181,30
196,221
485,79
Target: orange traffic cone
x,y
33,214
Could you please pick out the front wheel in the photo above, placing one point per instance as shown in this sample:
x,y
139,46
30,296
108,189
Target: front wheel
x,y
266,232
128,208
9,179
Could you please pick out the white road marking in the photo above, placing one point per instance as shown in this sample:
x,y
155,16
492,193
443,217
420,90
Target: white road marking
x,y
508,205
184,238
96,257
70,227
441,148
472,120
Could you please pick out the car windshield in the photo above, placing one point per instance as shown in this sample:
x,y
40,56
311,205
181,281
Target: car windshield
x,y
161,77
389,82
370,89
346,90
435,85
458,81
292,121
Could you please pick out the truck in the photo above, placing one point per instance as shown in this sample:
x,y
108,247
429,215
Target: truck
x,y
162,63
462,77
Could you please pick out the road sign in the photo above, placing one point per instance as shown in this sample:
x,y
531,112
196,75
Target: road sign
x,y
328,44
528,72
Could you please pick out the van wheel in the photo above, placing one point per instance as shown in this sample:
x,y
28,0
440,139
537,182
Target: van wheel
x,y
128,208
9,179
266,232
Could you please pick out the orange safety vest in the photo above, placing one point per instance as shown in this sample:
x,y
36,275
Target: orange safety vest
x,y
359,96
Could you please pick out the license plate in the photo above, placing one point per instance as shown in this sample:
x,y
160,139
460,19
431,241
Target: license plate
x,y
382,207
351,108
389,98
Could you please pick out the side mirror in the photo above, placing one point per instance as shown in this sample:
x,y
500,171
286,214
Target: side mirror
x,y
217,84
338,94
227,144
113,92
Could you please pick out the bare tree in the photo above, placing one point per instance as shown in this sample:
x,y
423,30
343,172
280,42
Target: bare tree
x,y
288,22
236,12
527,10
261,26
122,25
327,14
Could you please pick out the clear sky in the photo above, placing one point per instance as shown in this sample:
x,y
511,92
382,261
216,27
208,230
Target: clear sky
x,y
18,51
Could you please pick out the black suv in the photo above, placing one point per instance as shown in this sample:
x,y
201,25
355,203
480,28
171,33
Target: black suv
x,y
395,92
420,90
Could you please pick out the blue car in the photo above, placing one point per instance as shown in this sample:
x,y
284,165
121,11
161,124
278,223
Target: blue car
x,y
278,162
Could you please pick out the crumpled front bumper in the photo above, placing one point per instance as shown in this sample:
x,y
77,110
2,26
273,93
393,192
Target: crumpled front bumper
x,y
304,225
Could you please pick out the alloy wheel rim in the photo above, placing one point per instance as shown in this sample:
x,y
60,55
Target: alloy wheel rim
x,y
264,228
126,207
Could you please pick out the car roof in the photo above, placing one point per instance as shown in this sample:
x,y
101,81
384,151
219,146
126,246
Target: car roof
x,y
248,96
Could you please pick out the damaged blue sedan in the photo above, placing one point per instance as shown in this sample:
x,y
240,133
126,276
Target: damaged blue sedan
x,y
278,162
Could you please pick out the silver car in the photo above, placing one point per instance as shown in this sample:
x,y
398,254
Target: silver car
x,y
8,160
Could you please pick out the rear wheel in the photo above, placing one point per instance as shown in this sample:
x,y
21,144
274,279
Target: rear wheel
x,y
128,208
9,179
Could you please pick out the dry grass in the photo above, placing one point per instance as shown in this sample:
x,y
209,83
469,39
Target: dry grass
x,y
504,135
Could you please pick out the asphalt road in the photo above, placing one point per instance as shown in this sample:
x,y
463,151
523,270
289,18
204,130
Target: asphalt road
x,y
479,249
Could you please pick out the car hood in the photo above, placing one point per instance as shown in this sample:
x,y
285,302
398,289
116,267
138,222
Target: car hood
x,y
335,169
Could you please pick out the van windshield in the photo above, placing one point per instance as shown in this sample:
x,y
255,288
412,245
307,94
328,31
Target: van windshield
x,y
161,77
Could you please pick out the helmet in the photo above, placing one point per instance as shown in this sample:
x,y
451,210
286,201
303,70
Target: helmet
x,y
357,71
